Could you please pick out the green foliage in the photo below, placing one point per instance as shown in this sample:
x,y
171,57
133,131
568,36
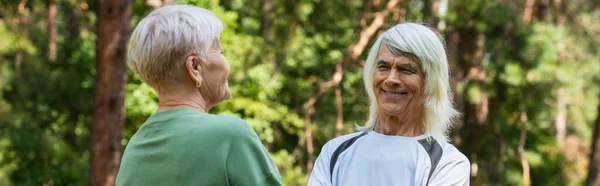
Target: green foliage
x,y
526,68
278,59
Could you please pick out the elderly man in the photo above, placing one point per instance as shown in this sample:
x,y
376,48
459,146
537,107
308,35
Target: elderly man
x,y
404,141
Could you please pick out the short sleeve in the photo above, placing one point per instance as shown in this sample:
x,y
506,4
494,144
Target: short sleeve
x,y
320,175
248,162
455,171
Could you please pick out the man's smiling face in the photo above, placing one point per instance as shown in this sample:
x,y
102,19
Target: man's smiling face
x,y
398,83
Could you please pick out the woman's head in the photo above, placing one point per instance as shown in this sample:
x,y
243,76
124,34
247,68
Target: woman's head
x,y
178,47
406,74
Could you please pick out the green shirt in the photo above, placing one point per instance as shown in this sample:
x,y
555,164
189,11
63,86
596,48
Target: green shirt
x,y
186,147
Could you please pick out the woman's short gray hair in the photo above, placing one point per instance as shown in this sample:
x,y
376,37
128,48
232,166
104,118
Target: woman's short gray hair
x,y
422,42
162,40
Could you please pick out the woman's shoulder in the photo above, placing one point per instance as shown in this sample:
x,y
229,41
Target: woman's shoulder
x,y
233,124
226,119
223,125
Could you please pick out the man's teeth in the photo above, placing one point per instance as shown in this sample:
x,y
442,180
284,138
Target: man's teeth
x,y
394,93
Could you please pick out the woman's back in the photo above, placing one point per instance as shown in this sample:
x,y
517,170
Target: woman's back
x,y
186,147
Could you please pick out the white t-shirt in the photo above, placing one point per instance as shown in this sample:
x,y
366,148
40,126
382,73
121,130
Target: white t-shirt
x,y
376,159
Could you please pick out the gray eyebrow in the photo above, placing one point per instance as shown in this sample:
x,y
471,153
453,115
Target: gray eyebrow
x,y
381,61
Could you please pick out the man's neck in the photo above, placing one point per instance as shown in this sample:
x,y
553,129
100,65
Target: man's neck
x,y
394,125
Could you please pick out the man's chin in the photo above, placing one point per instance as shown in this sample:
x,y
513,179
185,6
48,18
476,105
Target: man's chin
x,y
393,111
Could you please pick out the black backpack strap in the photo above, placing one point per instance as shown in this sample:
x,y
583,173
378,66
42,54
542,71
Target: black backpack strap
x,y
334,157
434,149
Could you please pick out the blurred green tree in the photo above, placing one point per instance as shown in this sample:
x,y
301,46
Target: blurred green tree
x,y
524,75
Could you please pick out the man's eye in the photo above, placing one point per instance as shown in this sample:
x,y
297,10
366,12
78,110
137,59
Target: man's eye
x,y
408,71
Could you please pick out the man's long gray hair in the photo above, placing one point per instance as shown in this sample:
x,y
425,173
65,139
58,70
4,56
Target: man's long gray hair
x,y
426,46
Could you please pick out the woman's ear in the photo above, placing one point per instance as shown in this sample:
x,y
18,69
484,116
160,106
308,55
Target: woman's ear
x,y
193,67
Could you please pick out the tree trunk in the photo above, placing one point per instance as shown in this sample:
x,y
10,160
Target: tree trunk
x,y
339,123
456,76
266,22
541,9
442,9
556,12
21,6
52,30
466,49
309,140
428,16
18,61
266,30
521,151
528,11
113,27
73,24
594,169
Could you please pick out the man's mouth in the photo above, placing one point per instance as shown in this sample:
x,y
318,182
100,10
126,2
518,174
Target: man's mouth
x,y
395,93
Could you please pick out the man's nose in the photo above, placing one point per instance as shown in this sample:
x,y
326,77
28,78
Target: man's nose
x,y
393,79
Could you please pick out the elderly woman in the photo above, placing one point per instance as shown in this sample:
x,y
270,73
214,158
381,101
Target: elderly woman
x,y
404,141
177,51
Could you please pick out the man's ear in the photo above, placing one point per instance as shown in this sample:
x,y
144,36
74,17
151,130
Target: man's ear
x,y
193,67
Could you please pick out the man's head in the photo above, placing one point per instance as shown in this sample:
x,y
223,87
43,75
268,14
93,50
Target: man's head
x,y
406,72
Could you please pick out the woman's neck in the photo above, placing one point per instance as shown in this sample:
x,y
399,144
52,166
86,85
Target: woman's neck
x,y
182,99
398,126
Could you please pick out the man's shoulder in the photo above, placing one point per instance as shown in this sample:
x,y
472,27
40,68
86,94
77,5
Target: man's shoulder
x,y
451,155
454,167
334,143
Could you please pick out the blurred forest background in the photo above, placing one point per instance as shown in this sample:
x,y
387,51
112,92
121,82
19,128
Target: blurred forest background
x,y
525,73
